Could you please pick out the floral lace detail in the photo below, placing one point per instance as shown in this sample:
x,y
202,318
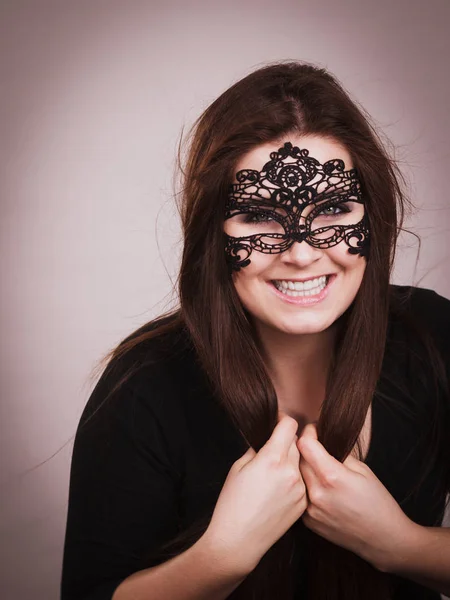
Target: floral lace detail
x,y
292,185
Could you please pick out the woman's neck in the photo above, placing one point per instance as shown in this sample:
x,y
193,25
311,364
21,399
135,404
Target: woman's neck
x,y
298,366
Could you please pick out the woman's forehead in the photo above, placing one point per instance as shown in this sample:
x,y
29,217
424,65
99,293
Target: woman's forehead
x,y
319,147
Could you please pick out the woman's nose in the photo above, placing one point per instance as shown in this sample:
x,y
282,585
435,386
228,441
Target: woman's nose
x,y
301,254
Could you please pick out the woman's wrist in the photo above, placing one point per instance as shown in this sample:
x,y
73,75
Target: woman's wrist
x,y
231,558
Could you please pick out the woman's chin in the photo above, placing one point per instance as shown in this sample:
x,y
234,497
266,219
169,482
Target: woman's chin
x,y
300,328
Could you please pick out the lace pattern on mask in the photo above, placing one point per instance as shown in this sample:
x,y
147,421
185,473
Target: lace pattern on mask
x,y
293,180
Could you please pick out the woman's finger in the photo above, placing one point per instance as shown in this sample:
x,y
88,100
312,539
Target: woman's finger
x,y
282,437
294,454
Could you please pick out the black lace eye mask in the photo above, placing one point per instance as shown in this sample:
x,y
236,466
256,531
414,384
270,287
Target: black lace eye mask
x,y
289,201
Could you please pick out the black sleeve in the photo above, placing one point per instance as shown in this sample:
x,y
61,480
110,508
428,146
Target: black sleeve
x,y
438,318
436,311
122,495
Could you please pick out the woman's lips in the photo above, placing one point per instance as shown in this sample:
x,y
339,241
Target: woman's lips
x,y
305,300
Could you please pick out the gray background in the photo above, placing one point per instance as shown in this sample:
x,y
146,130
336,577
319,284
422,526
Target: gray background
x,y
94,98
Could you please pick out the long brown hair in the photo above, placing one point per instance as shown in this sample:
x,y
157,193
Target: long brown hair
x,y
282,98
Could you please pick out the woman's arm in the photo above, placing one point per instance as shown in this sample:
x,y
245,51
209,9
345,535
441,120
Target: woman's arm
x,y
124,492
200,573
423,557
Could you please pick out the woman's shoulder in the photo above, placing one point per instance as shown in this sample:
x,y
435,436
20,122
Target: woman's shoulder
x,y
424,307
147,366
422,301
420,297
160,342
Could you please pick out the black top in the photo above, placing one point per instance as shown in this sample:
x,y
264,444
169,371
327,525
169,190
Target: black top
x,y
155,456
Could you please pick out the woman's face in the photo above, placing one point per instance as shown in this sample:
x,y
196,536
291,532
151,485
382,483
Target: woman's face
x,y
264,286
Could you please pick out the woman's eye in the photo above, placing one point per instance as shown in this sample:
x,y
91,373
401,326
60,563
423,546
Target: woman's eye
x,y
257,218
340,210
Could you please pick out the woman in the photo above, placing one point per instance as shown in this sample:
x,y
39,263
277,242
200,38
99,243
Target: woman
x,y
283,433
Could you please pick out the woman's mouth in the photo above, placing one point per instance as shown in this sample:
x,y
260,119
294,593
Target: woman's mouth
x,y
303,292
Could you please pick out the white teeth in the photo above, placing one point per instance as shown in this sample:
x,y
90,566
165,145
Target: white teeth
x,y
302,285
302,288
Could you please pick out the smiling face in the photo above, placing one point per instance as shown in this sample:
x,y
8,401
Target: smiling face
x,y
301,261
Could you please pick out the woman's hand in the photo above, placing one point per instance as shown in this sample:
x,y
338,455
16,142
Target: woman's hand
x,y
348,505
263,495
